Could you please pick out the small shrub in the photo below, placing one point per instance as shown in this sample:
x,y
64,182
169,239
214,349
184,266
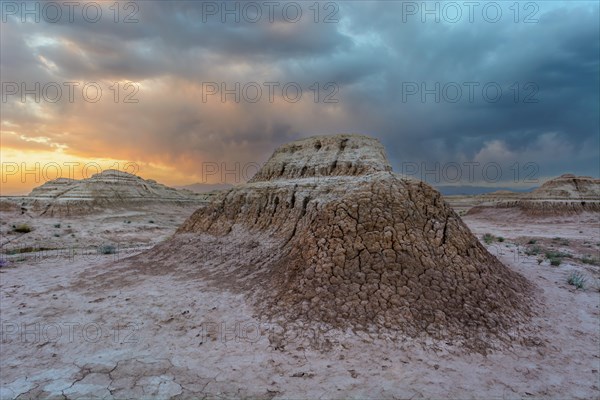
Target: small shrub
x,y
555,262
532,241
56,235
151,222
57,225
556,254
577,279
107,249
500,239
488,238
533,250
23,228
590,260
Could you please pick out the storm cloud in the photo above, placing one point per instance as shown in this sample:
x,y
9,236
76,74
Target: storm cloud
x,y
436,83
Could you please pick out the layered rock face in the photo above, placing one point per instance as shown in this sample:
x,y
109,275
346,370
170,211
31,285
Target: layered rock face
x,y
568,186
566,194
322,156
109,188
351,245
110,184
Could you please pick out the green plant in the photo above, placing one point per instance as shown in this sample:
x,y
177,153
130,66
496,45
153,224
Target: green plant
x,y
556,254
23,228
56,235
488,238
107,249
577,279
590,260
532,241
555,262
151,222
533,250
500,239
57,225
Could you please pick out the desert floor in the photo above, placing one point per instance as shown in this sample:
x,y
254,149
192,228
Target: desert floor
x,y
68,332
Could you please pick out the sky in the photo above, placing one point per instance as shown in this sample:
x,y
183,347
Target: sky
x,y
460,93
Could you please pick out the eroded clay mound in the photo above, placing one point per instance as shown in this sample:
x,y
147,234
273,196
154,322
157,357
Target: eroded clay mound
x,y
372,252
110,188
568,186
566,194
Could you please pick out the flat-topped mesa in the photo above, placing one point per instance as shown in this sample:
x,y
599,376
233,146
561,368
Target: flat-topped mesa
x,y
568,186
565,194
361,249
321,156
107,189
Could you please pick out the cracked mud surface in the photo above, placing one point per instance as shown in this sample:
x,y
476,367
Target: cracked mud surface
x,y
358,248
176,337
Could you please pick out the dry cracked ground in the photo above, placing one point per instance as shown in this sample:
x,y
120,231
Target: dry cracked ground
x,y
66,333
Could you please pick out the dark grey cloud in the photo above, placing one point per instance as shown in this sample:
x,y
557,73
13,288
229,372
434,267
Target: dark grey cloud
x,y
372,54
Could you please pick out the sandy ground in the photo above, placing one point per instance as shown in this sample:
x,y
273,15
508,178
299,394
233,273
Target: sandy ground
x,y
67,333
127,230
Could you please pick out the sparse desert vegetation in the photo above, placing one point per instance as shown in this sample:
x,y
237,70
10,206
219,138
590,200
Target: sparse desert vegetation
x,y
107,249
577,279
22,228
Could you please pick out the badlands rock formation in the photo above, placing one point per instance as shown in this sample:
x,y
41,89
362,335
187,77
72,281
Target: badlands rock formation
x,y
566,194
110,188
568,186
326,234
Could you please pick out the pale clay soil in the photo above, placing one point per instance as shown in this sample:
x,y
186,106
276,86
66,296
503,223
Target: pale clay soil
x,y
65,334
